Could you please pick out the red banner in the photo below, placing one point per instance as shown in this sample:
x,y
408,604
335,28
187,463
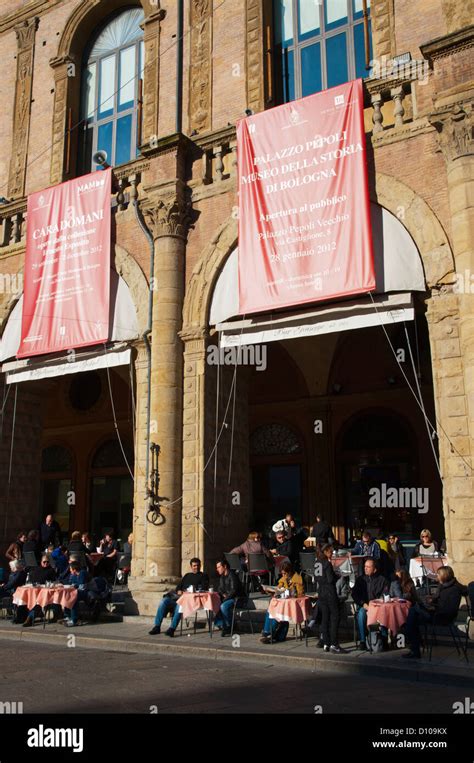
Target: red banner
x,y
304,220
67,266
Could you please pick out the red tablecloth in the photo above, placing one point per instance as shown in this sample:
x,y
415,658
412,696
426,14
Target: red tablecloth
x,y
337,561
95,558
291,610
391,614
31,596
191,602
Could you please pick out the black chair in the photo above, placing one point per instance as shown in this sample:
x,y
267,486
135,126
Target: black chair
x,y
307,562
235,565
433,630
259,566
123,565
30,559
241,603
470,611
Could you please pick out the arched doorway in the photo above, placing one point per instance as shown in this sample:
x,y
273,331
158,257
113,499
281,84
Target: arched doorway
x,y
111,496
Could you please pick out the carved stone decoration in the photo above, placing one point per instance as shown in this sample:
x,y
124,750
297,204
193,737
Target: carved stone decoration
x,y
455,131
62,67
458,15
254,55
383,28
169,215
200,71
151,76
21,116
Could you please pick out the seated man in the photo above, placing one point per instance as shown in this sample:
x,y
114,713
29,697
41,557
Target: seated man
x,y
229,589
109,548
366,547
78,578
39,576
59,558
290,581
196,579
16,578
440,609
285,546
367,587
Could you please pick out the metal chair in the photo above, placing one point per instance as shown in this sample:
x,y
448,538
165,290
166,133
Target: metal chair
x,y
470,611
307,562
30,559
123,565
235,564
433,630
258,566
241,603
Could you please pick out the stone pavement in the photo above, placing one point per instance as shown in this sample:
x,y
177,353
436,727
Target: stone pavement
x,y
131,636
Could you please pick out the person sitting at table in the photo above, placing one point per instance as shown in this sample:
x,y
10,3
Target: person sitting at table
x,y
369,586
367,546
196,579
78,578
16,578
253,545
88,543
403,587
426,547
77,548
289,581
109,548
322,531
396,551
59,559
229,590
128,545
39,576
32,544
286,525
15,549
440,609
285,546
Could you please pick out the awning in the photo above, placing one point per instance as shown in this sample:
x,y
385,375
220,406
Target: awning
x,y
34,369
343,316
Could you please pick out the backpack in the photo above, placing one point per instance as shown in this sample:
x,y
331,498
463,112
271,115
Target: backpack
x,y
374,639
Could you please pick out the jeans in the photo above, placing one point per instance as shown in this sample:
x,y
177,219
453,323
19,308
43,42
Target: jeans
x,y
362,625
168,605
72,613
224,616
37,611
270,627
330,620
416,617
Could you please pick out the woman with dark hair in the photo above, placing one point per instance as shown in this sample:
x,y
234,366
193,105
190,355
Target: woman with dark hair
x,y
14,551
290,581
328,601
403,587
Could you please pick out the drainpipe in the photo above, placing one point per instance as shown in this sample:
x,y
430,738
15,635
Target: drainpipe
x,y
179,68
146,338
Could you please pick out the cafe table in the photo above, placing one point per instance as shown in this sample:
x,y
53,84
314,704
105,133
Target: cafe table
x,y
390,614
290,609
44,596
428,566
190,603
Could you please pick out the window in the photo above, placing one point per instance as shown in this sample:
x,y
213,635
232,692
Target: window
x,y
111,90
318,44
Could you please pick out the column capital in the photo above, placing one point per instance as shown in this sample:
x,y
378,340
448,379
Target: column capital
x,y
169,214
455,127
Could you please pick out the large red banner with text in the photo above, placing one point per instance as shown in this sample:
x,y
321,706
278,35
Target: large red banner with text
x,y
67,266
304,219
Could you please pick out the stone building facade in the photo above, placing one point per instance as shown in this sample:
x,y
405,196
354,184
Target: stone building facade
x,y
175,227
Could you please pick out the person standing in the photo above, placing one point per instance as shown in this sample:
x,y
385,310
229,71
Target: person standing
x,y
322,531
328,601
15,549
49,532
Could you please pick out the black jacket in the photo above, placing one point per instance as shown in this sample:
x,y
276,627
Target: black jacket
x,y
49,534
198,580
326,580
446,601
322,532
369,587
42,575
229,585
34,547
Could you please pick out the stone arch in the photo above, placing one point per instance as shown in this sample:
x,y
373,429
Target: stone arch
x,y
418,218
422,225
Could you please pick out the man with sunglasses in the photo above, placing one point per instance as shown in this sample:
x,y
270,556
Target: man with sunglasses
x,y
39,576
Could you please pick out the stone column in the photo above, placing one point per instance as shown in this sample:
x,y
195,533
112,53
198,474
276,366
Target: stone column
x,y
140,493
455,133
167,217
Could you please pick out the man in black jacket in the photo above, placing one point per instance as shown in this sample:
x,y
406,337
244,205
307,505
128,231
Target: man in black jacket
x,y
199,582
369,586
229,589
322,531
440,609
16,578
39,576
49,532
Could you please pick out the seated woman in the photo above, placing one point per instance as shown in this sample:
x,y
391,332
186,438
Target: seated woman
x,y
403,587
77,548
427,545
16,578
253,545
88,543
440,609
290,581
78,578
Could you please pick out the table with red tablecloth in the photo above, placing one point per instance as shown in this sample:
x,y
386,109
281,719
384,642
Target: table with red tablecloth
x,y
31,596
390,614
189,603
290,610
